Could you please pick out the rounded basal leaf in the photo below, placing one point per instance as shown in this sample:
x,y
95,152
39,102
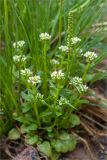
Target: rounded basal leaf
x,y
68,145
64,136
57,145
74,120
63,146
32,140
45,148
33,127
49,129
24,129
13,134
27,129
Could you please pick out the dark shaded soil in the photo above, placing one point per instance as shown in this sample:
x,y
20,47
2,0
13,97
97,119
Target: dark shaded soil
x,y
98,146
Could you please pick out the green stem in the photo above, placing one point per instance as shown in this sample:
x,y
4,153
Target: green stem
x,y
76,102
35,108
85,72
45,70
56,97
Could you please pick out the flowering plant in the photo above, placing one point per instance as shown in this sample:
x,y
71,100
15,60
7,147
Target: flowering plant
x,y
51,96
47,86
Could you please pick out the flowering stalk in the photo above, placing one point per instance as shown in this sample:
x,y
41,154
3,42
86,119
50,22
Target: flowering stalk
x,y
55,102
45,70
64,50
70,34
33,81
90,56
35,107
85,72
45,37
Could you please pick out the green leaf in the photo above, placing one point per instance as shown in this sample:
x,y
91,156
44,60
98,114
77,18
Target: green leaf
x,y
57,145
64,136
32,140
14,134
45,148
74,120
63,146
26,107
27,129
27,97
32,127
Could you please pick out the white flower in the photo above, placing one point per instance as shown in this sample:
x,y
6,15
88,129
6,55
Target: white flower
x,y
18,44
63,101
75,40
78,83
19,58
76,80
90,56
39,96
83,88
45,36
26,72
63,48
54,62
57,75
34,80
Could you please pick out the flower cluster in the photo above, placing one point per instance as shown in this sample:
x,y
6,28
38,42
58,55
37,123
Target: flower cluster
x,y
34,80
39,96
54,62
76,80
57,75
78,83
19,58
63,48
90,56
26,72
45,36
19,44
75,40
63,101
83,88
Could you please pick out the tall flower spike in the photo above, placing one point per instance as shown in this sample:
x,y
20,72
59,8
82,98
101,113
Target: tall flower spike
x,y
70,30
